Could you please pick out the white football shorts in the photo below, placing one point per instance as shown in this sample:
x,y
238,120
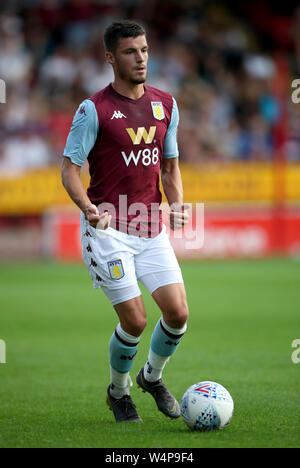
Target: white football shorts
x,y
117,261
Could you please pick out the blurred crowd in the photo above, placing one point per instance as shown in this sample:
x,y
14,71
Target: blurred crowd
x,y
220,62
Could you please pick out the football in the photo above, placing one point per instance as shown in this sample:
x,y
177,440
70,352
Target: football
x,y
206,406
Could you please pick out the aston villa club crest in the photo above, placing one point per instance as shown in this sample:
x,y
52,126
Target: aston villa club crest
x,y
158,110
116,269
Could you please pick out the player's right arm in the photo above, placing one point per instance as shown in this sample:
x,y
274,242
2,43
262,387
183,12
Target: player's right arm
x,y
80,141
70,174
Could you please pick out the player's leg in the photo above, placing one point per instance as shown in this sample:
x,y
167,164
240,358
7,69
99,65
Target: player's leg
x,y
123,348
169,330
159,271
112,269
132,315
165,339
124,342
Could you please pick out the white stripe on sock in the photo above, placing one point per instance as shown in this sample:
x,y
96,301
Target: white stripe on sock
x,y
126,336
174,331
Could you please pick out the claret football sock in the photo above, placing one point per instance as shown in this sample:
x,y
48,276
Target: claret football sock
x,y
164,343
122,350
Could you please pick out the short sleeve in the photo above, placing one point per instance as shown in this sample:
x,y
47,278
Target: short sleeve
x,y
83,133
170,149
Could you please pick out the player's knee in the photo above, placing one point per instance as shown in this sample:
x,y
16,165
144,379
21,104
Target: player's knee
x,y
178,315
181,317
140,325
135,326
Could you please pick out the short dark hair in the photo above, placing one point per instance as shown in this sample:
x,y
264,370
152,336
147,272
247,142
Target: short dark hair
x,y
119,30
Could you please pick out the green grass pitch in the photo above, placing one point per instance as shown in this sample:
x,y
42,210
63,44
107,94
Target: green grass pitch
x,y
244,316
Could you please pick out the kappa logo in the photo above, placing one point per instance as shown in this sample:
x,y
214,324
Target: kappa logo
x,y
118,115
82,110
136,138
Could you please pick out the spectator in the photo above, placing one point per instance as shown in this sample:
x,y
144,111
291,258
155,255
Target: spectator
x,y
52,57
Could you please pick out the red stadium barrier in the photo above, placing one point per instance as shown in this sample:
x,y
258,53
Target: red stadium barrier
x,y
227,234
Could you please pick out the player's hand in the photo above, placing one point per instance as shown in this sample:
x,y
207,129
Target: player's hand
x,y
92,215
104,221
96,220
179,215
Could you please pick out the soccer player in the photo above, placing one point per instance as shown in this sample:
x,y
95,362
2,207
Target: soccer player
x,y
128,133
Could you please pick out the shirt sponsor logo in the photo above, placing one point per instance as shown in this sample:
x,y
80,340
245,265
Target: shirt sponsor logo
x,y
158,110
118,115
136,137
147,155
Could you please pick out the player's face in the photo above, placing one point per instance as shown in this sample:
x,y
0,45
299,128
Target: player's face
x,y
130,59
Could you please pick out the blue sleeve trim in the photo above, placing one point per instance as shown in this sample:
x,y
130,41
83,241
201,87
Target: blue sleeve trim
x,y
83,133
170,144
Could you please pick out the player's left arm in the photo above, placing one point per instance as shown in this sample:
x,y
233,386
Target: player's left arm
x,y
173,189
171,176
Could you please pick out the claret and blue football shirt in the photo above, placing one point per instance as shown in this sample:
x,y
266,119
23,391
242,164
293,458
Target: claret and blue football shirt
x,y
124,141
